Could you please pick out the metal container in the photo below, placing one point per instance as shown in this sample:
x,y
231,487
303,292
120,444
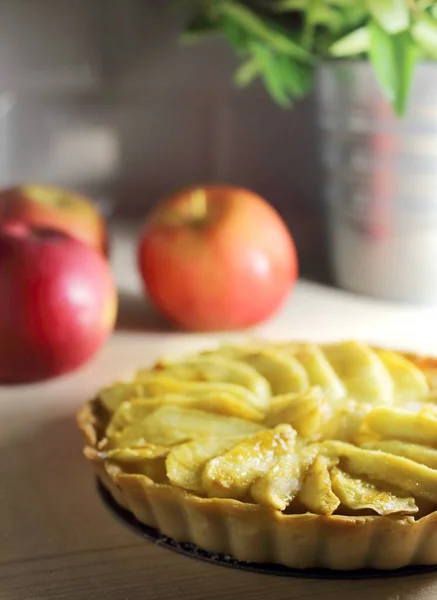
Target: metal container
x,y
380,183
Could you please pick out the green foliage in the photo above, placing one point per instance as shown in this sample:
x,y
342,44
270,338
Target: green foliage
x,y
282,41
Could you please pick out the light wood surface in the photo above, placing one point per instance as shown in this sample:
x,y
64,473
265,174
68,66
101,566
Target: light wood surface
x,y
58,541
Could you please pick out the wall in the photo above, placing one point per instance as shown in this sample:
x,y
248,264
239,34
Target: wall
x,y
99,95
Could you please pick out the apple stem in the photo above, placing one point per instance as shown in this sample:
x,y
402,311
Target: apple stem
x,y
199,205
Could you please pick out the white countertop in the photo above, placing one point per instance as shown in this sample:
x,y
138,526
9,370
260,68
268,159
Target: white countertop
x,y
56,539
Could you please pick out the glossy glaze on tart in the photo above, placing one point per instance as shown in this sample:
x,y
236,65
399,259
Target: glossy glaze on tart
x,y
298,454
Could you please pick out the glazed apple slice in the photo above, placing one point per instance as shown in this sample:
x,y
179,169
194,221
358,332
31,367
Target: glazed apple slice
x,y
410,383
398,471
170,425
284,373
390,423
359,495
420,454
219,369
150,384
320,372
113,396
149,460
361,371
281,484
185,463
232,474
308,413
316,493
221,404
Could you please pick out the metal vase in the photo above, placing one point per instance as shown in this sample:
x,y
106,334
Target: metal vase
x,y
380,183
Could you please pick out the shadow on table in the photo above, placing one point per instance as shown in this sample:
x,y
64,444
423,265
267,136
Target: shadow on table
x,y
135,313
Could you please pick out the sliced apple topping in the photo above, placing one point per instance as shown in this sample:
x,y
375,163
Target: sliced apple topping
x,y
347,420
320,372
410,383
185,463
153,385
358,495
308,413
169,425
331,428
403,473
399,424
316,493
221,404
284,373
361,371
282,482
420,454
149,460
219,369
111,397
232,474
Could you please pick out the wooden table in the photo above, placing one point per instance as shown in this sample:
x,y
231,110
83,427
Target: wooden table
x,y
58,541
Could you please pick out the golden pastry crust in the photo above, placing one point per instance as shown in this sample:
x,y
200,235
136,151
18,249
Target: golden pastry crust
x,y
254,533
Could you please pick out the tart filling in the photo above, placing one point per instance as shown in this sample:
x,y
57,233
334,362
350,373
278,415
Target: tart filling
x,y
302,454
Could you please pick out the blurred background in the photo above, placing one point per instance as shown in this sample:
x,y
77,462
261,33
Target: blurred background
x,y
99,95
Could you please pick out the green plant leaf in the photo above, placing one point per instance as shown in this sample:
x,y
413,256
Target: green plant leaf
x,y
283,49
290,5
334,15
310,22
298,78
356,42
393,58
259,28
424,32
248,71
392,15
198,28
423,5
236,35
322,13
326,16
271,75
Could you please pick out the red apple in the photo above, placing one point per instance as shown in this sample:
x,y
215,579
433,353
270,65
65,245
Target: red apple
x,y
57,302
46,206
217,258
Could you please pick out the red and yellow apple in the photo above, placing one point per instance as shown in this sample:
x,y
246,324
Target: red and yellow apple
x,y
58,302
47,206
216,258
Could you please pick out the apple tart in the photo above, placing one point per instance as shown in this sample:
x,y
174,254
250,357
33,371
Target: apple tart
x,y
298,454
